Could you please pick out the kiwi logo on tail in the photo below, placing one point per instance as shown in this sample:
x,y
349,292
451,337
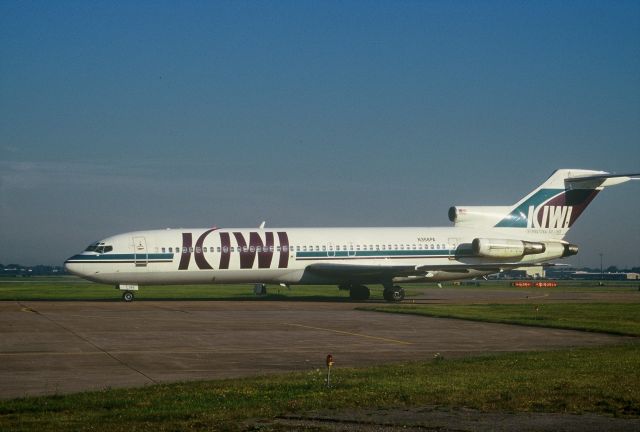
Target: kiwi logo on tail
x,y
549,208
549,216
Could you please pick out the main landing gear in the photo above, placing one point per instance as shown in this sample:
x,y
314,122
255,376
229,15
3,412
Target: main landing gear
x,y
127,296
393,293
359,292
356,292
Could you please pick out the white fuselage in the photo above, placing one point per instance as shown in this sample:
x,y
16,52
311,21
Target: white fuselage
x,y
282,255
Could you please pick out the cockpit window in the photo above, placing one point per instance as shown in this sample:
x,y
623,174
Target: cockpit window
x,y
99,247
92,247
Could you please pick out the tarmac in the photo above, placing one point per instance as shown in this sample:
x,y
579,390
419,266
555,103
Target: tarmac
x,y
63,347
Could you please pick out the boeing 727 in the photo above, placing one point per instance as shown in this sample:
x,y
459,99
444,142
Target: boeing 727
x,y
483,240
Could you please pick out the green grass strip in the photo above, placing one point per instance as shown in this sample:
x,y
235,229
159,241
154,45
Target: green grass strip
x,y
72,288
596,380
614,318
65,288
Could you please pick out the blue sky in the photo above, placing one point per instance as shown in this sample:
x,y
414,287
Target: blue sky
x,y
117,116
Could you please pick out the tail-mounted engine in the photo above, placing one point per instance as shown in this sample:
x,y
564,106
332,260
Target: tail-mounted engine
x,y
508,248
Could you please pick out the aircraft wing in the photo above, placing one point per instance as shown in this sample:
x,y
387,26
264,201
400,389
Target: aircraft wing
x,y
387,271
361,270
497,266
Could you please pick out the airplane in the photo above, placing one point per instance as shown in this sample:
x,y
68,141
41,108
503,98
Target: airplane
x,y
483,240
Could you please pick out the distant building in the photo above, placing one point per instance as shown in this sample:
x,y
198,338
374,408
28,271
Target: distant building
x,y
583,275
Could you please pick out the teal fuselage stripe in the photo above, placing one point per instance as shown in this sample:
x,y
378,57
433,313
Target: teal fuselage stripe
x,y
373,254
298,255
121,257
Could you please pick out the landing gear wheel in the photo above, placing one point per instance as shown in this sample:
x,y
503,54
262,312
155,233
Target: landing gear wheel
x,y
395,294
127,296
359,292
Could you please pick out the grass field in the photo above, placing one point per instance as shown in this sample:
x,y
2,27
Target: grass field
x,y
615,318
73,288
596,380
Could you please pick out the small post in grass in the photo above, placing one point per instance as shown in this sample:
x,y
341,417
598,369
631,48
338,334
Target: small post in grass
x,y
329,364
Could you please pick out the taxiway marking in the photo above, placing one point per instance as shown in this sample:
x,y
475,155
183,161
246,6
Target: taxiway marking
x,y
396,341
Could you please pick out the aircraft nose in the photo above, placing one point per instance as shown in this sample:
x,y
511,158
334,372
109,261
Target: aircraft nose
x,y
72,267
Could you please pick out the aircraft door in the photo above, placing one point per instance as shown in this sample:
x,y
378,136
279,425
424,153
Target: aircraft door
x,y
453,246
140,255
330,250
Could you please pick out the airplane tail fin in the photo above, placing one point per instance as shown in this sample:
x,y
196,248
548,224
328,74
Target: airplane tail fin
x,y
549,210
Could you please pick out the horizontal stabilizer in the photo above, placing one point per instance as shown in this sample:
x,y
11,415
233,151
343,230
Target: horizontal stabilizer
x,y
598,181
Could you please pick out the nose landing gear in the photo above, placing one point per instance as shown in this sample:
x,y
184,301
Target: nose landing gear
x,y
127,291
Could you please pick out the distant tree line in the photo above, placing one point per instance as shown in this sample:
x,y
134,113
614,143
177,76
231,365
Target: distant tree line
x,y
25,271
611,269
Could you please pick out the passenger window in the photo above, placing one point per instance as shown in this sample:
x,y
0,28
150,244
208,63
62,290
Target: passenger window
x,y
225,249
324,248
198,249
218,249
317,248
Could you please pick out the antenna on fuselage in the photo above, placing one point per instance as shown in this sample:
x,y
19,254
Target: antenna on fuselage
x,y
262,224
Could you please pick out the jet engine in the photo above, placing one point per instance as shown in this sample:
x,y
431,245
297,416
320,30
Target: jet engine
x,y
505,248
508,248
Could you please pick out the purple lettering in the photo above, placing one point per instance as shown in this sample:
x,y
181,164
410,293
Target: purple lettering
x,y
225,256
185,258
283,238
